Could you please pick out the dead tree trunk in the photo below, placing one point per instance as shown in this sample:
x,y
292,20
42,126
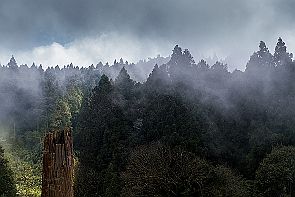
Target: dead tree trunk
x,y
58,164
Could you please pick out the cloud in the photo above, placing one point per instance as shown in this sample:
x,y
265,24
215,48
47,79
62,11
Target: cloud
x,y
91,50
229,28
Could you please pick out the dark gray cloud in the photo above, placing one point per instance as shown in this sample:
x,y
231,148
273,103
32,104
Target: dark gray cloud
x,y
226,27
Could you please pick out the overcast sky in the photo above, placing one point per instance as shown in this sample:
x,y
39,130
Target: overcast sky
x,y
55,32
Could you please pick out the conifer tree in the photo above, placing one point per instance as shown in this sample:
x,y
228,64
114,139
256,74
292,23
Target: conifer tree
x,y
158,79
12,63
61,116
103,139
188,58
281,56
121,61
7,185
202,65
176,56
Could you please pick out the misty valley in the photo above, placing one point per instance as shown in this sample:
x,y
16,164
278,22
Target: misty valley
x,y
166,126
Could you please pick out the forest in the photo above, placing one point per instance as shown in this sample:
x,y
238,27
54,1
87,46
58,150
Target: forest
x,y
161,127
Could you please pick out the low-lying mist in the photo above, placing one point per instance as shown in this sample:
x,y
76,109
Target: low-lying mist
x,y
28,94
228,118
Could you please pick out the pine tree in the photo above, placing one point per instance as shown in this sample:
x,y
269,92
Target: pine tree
x,y
51,94
7,185
12,63
102,138
202,65
261,61
281,56
219,67
158,80
260,67
124,84
61,116
115,63
188,58
121,61
180,66
176,56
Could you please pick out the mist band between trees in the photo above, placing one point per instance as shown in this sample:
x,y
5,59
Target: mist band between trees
x,y
186,129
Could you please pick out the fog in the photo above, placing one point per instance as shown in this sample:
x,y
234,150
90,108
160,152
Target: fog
x,y
90,50
212,80
77,34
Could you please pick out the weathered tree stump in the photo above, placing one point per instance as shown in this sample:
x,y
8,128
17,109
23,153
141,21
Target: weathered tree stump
x,y
58,164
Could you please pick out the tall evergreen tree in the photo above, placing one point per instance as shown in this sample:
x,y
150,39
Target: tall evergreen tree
x,y
124,84
261,61
180,66
176,56
202,65
188,58
12,63
281,56
7,185
61,116
158,80
103,140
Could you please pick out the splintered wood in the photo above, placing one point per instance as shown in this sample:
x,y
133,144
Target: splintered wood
x,y
58,164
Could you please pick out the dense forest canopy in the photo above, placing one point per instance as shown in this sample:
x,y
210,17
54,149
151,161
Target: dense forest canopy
x,y
162,127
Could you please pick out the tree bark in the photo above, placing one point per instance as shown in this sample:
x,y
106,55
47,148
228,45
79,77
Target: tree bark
x,y
58,164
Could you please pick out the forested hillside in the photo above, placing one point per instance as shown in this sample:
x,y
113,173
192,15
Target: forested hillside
x,y
162,127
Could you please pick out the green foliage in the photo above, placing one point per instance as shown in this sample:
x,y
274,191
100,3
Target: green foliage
x,y
157,170
227,183
227,118
61,116
87,181
166,118
7,184
276,173
124,84
74,99
102,142
205,117
26,173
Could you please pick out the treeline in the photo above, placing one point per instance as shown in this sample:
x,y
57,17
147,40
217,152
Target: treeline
x,y
31,96
189,129
36,100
